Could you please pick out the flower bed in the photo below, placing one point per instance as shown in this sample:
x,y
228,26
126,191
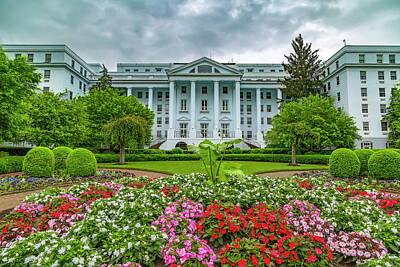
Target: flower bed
x,y
184,221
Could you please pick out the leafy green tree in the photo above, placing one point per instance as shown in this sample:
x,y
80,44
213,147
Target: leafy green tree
x,y
18,82
314,122
132,131
103,106
104,82
393,117
55,120
303,68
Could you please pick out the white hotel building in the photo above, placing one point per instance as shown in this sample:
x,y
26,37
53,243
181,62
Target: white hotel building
x,y
209,99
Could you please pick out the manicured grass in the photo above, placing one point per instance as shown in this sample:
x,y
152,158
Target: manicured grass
x,y
187,167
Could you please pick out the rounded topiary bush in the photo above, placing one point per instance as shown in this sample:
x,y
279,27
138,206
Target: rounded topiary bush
x,y
81,162
363,155
39,162
343,163
60,155
384,164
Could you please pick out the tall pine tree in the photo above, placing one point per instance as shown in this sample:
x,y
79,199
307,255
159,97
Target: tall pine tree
x,y
393,118
105,81
303,68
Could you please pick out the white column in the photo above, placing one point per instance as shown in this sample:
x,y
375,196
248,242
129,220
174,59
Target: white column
x,y
192,132
238,132
216,109
278,96
171,130
129,91
150,100
258,107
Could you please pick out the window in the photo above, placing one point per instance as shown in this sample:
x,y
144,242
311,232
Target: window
x,y
30,58
365,126
338,96
80,84
268,95
361,59
241,120
159,96
337,80
381,75
72,79
225,129
225,89
159,109
262,108
158,69
166,95
204,105
248,95
183,89
183,105
159,121
147,70
261,95
329,86
260,70
269,121
250,70
249,121
204,130
147,94
47,58
364,92
249,134
17,55
363,75
47,74
269,108
140,94
382,92
158,134
84,88
81,70
272,70
241,109
85,73
383,108
392,59
393,75
329,70
166,120
384,126
364,108
248,109
366,145
183,129
166,108
337,64
204,89
262,120
135,70
46,89
224,105
73,64
379,59
241,95
71,95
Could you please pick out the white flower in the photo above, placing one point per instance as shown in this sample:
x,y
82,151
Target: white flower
x,y
75,260
61,251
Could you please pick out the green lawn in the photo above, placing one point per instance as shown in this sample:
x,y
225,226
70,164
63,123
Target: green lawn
x,y
187,167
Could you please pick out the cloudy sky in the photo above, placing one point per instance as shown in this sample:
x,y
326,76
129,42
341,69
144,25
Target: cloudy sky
x,y
111,31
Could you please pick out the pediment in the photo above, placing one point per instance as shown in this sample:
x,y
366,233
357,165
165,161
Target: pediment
x,y
225,119
183,118
204,66
204,118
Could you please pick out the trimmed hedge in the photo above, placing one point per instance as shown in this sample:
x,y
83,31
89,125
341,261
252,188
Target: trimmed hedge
x,y
81,162
60,155
363,155
344,163
15,151
11,164
39,162
304,159
384,164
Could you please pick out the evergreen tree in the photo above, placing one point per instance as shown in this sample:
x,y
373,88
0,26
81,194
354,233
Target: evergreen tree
x,y
303,68
105,81
393,117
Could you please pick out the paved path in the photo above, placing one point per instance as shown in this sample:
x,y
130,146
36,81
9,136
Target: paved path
x,y
282,173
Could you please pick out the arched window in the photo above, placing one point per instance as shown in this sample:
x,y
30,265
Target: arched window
x,y
182,145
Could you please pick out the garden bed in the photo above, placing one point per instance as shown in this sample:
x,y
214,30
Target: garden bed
x,y
309,221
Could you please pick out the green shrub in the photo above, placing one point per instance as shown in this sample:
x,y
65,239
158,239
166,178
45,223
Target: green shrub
x,y
343,163
39,162
3,154
60,155
81,162
363,155
177,150
15,150
11,164
384,164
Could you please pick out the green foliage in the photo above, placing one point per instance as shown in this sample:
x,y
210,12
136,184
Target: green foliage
x,y
3,154
15,150
303,68
212,156
39,162
363,155
81,162
105,80
384,164
18,81
11,164
60,155
56,120
177,150
393,117
344,163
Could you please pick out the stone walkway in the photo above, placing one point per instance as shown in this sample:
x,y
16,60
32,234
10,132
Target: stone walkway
x,y
282,174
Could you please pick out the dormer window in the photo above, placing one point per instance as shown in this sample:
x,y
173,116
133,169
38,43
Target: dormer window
x,y
250,70
158,69
127,70
272,70
260,70
135,70
204,69
147,70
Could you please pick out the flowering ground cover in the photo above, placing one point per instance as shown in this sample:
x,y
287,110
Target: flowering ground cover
x,y
184,221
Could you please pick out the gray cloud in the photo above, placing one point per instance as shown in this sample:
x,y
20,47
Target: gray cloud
x,y
111,31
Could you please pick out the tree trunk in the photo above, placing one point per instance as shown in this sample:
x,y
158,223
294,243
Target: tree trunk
x,y
294,153
121,153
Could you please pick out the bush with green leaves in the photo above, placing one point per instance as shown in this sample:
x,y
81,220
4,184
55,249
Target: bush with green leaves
x,y
384,164
81,162
60,155
39,162
177,150
344,163
11,164
363,155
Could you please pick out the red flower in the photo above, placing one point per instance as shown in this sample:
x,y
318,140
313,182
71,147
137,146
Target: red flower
x,y
242,263
312,258
254,260
215,236
224,260
223,231
286,254
292,245
279,261
318,251
267,261
236,245
330,256
272,237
